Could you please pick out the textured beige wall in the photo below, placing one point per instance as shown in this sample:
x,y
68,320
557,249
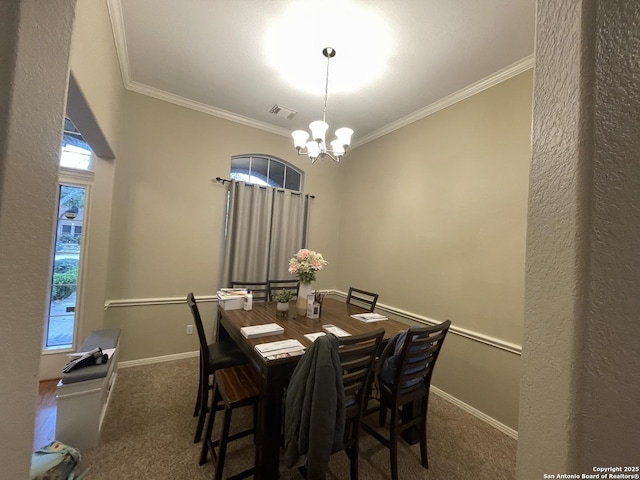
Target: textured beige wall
x,y
167,214
484,377
438,213
610,432
94,64
580,390
436,225
35,38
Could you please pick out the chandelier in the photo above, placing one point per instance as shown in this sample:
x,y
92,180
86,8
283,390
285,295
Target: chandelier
x,y
316,147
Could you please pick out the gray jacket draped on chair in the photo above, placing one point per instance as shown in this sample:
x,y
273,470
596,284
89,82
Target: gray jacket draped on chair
x,y
314,418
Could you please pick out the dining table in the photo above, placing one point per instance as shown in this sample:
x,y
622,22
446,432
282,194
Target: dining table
x,y
276,372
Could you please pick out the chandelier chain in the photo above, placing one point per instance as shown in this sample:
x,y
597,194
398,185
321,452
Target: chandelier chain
x,y
326,90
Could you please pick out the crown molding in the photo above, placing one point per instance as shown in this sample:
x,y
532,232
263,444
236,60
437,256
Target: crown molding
x,y
204,108
117,24
487,82
120,39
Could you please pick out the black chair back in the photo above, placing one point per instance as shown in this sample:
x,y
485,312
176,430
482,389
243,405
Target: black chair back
x,y
204,349
259,290
277,285
357,355
408,388
417,360
362,298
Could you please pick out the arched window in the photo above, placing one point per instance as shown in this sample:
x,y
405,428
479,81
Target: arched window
x,y
265,170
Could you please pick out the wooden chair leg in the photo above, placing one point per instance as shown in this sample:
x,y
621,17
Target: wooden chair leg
x,y
353,460
382,415
207,444
224,437
255,422
423,433
204,404
196,411
393,444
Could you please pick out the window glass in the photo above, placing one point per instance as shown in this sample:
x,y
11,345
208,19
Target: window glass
x,y
241,165
76,153
293,180
260,168
276,173
66,268
265,170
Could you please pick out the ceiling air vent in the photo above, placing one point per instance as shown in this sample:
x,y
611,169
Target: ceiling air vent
x,y
284,112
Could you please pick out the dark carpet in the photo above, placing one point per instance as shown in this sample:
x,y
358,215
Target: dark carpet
x,y
148,434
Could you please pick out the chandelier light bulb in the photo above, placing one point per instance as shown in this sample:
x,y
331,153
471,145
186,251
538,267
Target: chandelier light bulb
x,y
318,130
317,147
313,150
300,138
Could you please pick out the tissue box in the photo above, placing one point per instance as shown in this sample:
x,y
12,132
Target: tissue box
x,y
230,301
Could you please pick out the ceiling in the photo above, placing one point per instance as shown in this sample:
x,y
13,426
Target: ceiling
x,y
396,61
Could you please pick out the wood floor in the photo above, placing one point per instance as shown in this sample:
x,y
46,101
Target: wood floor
x,y
45,430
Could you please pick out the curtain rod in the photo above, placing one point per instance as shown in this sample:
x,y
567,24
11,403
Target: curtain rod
x,y
224,180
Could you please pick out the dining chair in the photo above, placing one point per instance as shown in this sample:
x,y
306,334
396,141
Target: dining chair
x,y
357,357
213,356
362,298
276,285
235,387
259,290
353,360
404,378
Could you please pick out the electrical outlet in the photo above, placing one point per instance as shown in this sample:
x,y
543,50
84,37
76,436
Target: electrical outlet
x,y
189,329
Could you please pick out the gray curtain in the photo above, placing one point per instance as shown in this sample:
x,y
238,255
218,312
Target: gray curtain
x,y
264,227
287,231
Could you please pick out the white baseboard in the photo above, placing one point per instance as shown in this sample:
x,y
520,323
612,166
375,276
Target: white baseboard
x,y
450,398
476,413
163,358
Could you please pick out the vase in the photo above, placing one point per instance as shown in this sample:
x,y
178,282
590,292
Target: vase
x,y
301,303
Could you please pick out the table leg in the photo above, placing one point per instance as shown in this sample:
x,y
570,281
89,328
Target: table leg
x,y
221,333
269,427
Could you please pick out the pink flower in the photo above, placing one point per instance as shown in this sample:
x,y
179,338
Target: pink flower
x,y
305,263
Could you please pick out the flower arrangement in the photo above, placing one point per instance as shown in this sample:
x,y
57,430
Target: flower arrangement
x,y
282,296
305,264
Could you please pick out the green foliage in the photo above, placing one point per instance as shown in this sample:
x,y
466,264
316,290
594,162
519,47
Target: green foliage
x,y
71,197
282,296
63,265
69,238
64,284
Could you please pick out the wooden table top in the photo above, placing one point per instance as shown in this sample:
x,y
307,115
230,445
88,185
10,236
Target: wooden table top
x,y
333,312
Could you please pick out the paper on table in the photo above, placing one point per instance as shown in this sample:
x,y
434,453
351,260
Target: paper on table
x,y
337,331
231,295
261,330
234,291
369,317
280,348
312,336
